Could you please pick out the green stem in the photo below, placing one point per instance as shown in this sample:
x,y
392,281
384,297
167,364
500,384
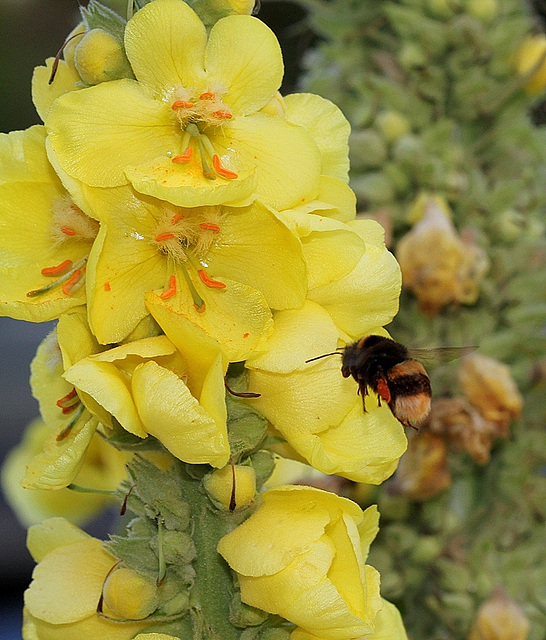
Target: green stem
x,y
213,586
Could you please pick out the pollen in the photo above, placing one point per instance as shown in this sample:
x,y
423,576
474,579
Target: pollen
x,y
72,281
183,158
181,104
164,236
68,231
221,170
210,226
177,217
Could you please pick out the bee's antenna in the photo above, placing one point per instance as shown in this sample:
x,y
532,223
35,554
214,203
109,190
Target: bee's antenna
x,y
339,352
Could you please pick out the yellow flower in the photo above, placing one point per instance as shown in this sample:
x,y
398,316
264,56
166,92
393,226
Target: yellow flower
x,y
152,389
62,600
44,237
222,267
354,284
189,130
300,556
103,468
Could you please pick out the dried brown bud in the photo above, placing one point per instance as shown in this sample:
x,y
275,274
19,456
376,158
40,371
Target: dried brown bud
x,y
462,426
422,472
437,264
500,618
488,385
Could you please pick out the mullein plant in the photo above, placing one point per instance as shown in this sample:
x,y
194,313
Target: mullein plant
x,y
194,235
444,152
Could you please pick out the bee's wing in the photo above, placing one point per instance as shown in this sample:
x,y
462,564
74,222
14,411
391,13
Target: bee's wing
x,y
440,354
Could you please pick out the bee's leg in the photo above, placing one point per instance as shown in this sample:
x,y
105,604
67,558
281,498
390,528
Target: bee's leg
x,y
383,391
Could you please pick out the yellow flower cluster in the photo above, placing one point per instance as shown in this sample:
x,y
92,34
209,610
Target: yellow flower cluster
x,y
177,215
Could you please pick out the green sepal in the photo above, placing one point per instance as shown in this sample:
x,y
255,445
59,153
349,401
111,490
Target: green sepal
x,y
135,553
263,463
96,16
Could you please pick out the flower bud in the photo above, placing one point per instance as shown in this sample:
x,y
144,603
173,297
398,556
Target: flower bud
x,y
437,265
99,57
423,471
500,618
488,385
393,125
463,427
129,596
531,54
219,486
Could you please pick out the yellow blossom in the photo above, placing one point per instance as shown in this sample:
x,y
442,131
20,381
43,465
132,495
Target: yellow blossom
x,y
500,618
103,468
72,568
189,129
44,237
300,556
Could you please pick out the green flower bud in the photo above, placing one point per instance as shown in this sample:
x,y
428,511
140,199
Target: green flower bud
x,y
99,57
242,615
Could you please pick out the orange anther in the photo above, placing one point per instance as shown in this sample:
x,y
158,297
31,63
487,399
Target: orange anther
x,y
214,284
57,270
164,236
210,226
185,157
182,104
71,281
61,402
177,217
68,231
69,408
107,286
245,335
226,115
170,292
222,171
206,96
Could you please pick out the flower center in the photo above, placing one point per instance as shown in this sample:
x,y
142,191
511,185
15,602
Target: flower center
x,y
68,225
186,238
197,114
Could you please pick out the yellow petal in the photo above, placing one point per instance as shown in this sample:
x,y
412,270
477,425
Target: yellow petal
x,y
50,534
328,127
44,93
99,132
365,298
388,624
334,199
368,528
186,186
257,249
286,157
171,414
75,338
307,401
60,461
121,269
23,157
243,56
59,579
165,43
298,335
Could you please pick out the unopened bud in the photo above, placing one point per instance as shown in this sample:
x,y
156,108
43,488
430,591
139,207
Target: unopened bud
x,y
99,57
129,596
488,385
437,265
500,618
531,58
423,471
222,487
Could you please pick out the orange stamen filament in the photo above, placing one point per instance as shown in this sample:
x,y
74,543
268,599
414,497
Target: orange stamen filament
x,y
214,284
164,236
74,278
57,270
181,104
222,171
171,291
210,226
185,157
68,231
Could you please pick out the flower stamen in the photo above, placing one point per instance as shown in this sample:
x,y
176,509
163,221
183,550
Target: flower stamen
x,y
164,236
68,231
214,284
185,157
57,270
66,431
210,226
64,280
72,281
198,301
171,291
177,217
181,104
221,170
